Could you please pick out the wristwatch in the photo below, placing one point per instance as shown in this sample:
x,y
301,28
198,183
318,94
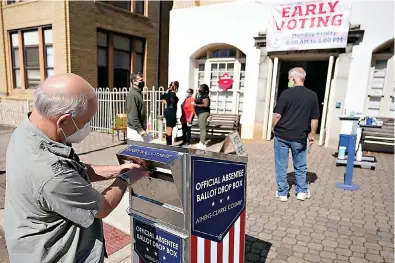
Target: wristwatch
x,y
125,177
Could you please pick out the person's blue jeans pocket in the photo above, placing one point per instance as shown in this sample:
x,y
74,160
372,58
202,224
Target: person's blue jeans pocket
x,y
281,152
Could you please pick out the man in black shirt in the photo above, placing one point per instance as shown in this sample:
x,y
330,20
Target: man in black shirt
x,y
295,123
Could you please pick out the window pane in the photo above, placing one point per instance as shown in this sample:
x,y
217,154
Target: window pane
x,y
15,57
139,46
15,40
122,43
17,76
102,74
50,72
48,36
33,77
138,63
381,64
30,38
49,53
121,4
121,60
121,78
32,57
101,39
139,7
102,57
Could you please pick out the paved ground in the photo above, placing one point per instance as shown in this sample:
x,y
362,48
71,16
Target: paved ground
x,y
333,226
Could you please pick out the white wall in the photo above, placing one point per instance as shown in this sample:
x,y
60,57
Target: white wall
x,y
231,23
377,19
237,23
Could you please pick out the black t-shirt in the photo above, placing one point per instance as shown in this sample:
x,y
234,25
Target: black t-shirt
x,y
199,100
171,99
297,107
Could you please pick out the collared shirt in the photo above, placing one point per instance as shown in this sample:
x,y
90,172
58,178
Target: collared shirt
x,y
50,204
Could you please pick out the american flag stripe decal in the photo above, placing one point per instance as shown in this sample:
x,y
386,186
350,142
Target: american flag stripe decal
x,y
230,250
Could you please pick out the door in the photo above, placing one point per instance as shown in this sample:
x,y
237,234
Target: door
x,y
381,90
326,100
273,95
224,102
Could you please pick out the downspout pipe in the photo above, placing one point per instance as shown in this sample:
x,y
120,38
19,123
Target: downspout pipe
x,y
158,46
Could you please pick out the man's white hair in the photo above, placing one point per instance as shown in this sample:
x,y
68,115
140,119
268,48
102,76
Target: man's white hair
x,y
297,72
55,104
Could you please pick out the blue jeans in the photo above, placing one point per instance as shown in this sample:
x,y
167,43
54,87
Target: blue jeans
x,y
281,151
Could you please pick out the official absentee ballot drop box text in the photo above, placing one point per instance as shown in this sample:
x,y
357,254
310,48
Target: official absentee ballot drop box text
x,y
190,209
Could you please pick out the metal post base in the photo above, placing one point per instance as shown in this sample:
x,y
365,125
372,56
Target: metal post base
x,y
352,187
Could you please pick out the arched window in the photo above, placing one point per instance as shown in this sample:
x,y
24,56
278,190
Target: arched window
x,y
211,65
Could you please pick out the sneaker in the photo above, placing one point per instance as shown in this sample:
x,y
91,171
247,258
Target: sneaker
x,y
303,196
282,198
200,146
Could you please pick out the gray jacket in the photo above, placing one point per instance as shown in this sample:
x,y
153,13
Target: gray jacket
x,y
135,110
50,204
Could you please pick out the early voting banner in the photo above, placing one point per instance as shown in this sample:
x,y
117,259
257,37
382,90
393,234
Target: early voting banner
x,y
218,196
309,25
154,245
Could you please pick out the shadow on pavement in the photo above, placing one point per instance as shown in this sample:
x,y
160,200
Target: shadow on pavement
x,y
310,178
256,250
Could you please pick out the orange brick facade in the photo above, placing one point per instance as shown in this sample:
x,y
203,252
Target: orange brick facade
x,y
74,26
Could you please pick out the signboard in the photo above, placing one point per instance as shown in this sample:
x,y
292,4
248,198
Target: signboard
x,y
218,196
225,82
152,154
309,25
154,245
237,143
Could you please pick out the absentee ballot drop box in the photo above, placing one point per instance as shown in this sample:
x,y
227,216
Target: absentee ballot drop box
x,y
190,209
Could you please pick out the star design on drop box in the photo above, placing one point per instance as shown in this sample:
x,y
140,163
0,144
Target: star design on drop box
x,y
164,258
220,200
212,204
228,197
155,253
147,249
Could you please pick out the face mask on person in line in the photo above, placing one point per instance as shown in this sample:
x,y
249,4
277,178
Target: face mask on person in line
x,y
79,135
291,83
141,85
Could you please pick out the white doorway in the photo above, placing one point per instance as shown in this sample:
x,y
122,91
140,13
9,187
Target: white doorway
x,y
319,78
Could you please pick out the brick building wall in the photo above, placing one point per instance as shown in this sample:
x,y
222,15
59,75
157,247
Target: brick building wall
x,y
83,49
74,26
164,43
24,15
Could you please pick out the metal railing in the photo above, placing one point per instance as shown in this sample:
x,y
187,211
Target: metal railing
x,y
111,102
